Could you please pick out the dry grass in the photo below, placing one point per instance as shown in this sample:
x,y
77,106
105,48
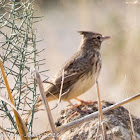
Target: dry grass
x,y
46,105
101,120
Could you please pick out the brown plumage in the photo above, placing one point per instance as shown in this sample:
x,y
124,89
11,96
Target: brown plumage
x,y
80,71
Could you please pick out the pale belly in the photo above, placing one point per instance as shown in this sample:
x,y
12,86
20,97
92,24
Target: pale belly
x,y
80,87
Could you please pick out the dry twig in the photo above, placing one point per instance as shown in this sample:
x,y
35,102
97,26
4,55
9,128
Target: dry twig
x,y
46,105
101,113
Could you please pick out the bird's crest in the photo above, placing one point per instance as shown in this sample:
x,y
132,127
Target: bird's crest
x,y
84,32
87,33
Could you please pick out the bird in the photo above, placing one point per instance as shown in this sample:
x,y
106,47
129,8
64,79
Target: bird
x,y
80,72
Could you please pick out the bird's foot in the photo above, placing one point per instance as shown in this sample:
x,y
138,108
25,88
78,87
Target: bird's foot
x,y
77,109
76,112
85,102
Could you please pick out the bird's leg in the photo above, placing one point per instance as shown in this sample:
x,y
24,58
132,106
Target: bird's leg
x,y
84,102
75,107
76,110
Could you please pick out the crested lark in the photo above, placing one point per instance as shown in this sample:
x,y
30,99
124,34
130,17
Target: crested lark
x,y
81,71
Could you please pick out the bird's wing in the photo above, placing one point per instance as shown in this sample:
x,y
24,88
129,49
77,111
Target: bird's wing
x,y
73,69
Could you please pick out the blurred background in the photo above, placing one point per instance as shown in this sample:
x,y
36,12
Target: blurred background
x,y
120,19
120,75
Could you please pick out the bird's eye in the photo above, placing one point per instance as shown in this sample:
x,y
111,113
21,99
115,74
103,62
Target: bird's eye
x,y
98,37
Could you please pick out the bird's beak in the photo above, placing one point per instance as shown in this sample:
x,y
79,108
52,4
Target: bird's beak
x,y
105,37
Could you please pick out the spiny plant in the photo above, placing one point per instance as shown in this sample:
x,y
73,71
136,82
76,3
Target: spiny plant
x,y
19,53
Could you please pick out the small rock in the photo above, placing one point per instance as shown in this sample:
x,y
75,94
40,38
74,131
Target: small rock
x,y
117,124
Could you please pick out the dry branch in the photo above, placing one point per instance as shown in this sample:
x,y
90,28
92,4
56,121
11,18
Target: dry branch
x,y
100,113
46,105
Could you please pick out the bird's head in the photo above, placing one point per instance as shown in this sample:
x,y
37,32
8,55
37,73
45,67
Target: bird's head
x,y
93,39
